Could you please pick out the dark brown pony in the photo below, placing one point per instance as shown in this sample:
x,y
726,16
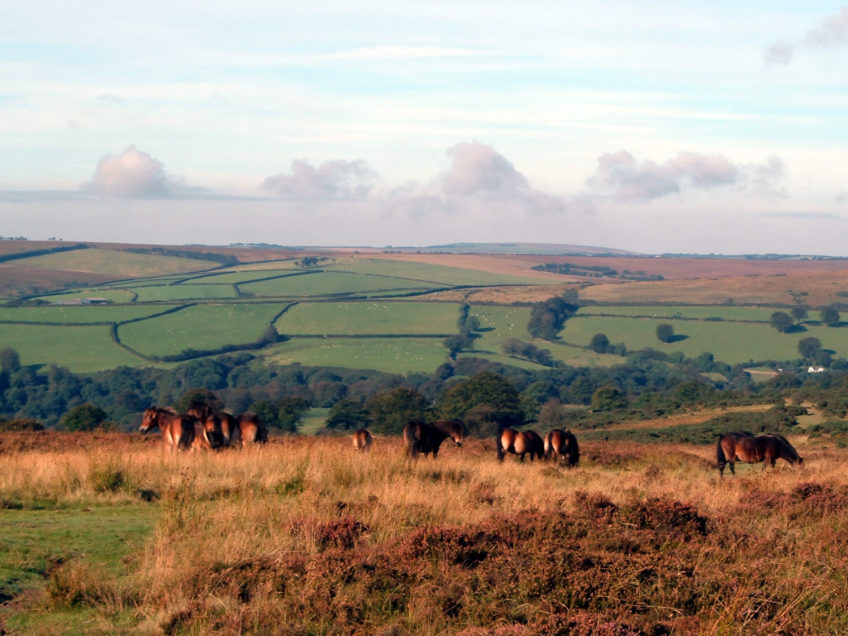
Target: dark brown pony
x,y
221,427
754,448
252,429
422,437
519,443
560,445
179,432
362,440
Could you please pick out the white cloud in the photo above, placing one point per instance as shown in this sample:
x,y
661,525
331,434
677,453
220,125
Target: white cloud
x,y
832,32
132,174
336,179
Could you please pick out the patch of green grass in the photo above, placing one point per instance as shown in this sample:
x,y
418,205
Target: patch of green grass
x,y
114,295
392,355
727,341
725,312
121,264
440,274
186,291
331,283
313,420
201,327
371,317
79,314
35,542
83,349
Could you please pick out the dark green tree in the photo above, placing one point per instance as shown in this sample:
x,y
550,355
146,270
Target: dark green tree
x,y
347,415
10,360
203,396
457,343
486,389
600,343
830,316
391,410
85,417
809,348
291,412
608,398
665,332
799,312
781,321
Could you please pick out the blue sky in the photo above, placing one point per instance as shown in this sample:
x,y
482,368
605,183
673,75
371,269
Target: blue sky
x,y
704,127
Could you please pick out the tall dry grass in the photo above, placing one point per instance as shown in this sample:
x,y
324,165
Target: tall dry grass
x,y
309,537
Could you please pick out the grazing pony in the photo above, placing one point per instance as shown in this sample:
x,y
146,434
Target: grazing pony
x,y
221,427
560,445
179,432
519,443
362,440
754,448
252,429
421,437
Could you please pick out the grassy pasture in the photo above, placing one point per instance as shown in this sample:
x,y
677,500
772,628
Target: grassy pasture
x,y
114,295
79,314
637,539
121,264
187,291
441,275
392,355
368,318
330,283
700,312
202,327
82,349
239,277
728,341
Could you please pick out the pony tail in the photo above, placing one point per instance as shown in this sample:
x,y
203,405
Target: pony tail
x,y
720,457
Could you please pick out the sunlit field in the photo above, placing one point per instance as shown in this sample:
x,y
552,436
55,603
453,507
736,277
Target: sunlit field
x,y
305,536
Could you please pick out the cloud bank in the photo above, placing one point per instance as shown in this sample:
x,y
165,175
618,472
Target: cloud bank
x,y
621,177
338,179
132,174
832,32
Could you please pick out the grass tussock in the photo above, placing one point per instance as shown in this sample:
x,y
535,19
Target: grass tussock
x,y
306,537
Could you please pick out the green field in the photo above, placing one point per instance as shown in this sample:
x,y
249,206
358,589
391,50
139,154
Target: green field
x,y
725,312
113,295
82,349
440,275
239,277
202,327
186,291
730,342
121,264
330,283
79,314
392,355
371,317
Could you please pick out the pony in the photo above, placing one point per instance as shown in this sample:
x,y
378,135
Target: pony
x,y
422,437
561,444
519,443
221,427
252,429
179,432
750,449
362,440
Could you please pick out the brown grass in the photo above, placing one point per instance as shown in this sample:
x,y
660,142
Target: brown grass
x,y
305,536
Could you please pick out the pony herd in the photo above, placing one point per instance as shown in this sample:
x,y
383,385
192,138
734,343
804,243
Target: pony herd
x,y
204,428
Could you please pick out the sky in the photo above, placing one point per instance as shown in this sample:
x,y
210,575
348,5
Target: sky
x,y
701,127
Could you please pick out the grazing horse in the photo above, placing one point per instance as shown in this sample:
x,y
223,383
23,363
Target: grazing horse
x,y
221,427
179,432
362,440
754,448
421,437
252,429
519,443
561,444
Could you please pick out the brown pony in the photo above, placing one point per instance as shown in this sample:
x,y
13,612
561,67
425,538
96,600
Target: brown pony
x,y
421,437
519,443
252,429
179,432
362,440
751,449
221,427
560,445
